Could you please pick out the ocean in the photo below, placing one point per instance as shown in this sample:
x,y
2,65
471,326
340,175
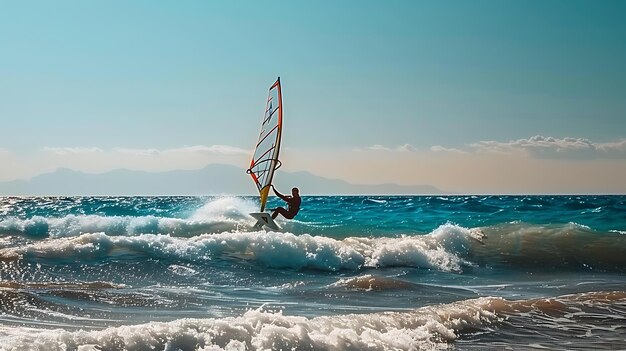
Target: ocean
x,y
349,273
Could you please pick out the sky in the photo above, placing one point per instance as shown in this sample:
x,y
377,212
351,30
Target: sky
x,y
470,97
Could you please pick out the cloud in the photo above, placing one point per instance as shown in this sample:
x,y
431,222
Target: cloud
x,y
406,147
72,150
202,149
549,147
401,148
96,160
214,149
538,146
137,152
378,147
439,148
618,146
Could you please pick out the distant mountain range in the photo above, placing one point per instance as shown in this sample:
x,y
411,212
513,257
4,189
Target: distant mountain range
x,y
214,179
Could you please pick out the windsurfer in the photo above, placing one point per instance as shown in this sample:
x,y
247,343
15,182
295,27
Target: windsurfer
x,y
293,204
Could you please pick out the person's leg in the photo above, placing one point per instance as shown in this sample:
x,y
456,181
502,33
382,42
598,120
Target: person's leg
x,y
281,211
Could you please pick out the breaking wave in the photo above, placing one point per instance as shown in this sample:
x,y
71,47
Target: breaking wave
x,y
449,248
223,214
442,249
570,246
430,327
424,328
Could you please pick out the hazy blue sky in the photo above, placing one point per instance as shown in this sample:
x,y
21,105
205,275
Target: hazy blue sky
x,y
172,74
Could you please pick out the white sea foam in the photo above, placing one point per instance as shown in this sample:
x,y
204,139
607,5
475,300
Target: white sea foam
x,y
181,270
369,282
425,328
218,215
442,249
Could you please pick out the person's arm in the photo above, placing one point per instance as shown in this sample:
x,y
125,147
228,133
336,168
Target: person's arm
x,y
285,198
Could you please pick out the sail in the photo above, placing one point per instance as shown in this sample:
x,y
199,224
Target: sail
x,y
265,158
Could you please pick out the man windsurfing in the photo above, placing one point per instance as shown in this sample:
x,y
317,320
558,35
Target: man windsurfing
x,y
293,204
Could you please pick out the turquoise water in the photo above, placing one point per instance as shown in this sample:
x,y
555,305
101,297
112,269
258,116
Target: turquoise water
x,y
351,272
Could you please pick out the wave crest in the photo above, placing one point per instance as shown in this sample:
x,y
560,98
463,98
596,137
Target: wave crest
x,y
218,215
425,328
570,246
441,250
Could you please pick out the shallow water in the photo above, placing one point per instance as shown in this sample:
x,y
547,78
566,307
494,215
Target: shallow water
x,y
352,272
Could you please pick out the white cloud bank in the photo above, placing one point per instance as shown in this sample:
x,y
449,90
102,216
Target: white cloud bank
x,y
550,147
72,150
214,149
201,149
401,148
439,148
537,146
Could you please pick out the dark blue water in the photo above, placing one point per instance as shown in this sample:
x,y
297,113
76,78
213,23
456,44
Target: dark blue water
x,y
350,272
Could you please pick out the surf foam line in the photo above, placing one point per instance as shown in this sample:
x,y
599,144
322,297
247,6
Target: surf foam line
x,y
223,214
431,327
425,328
442,249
